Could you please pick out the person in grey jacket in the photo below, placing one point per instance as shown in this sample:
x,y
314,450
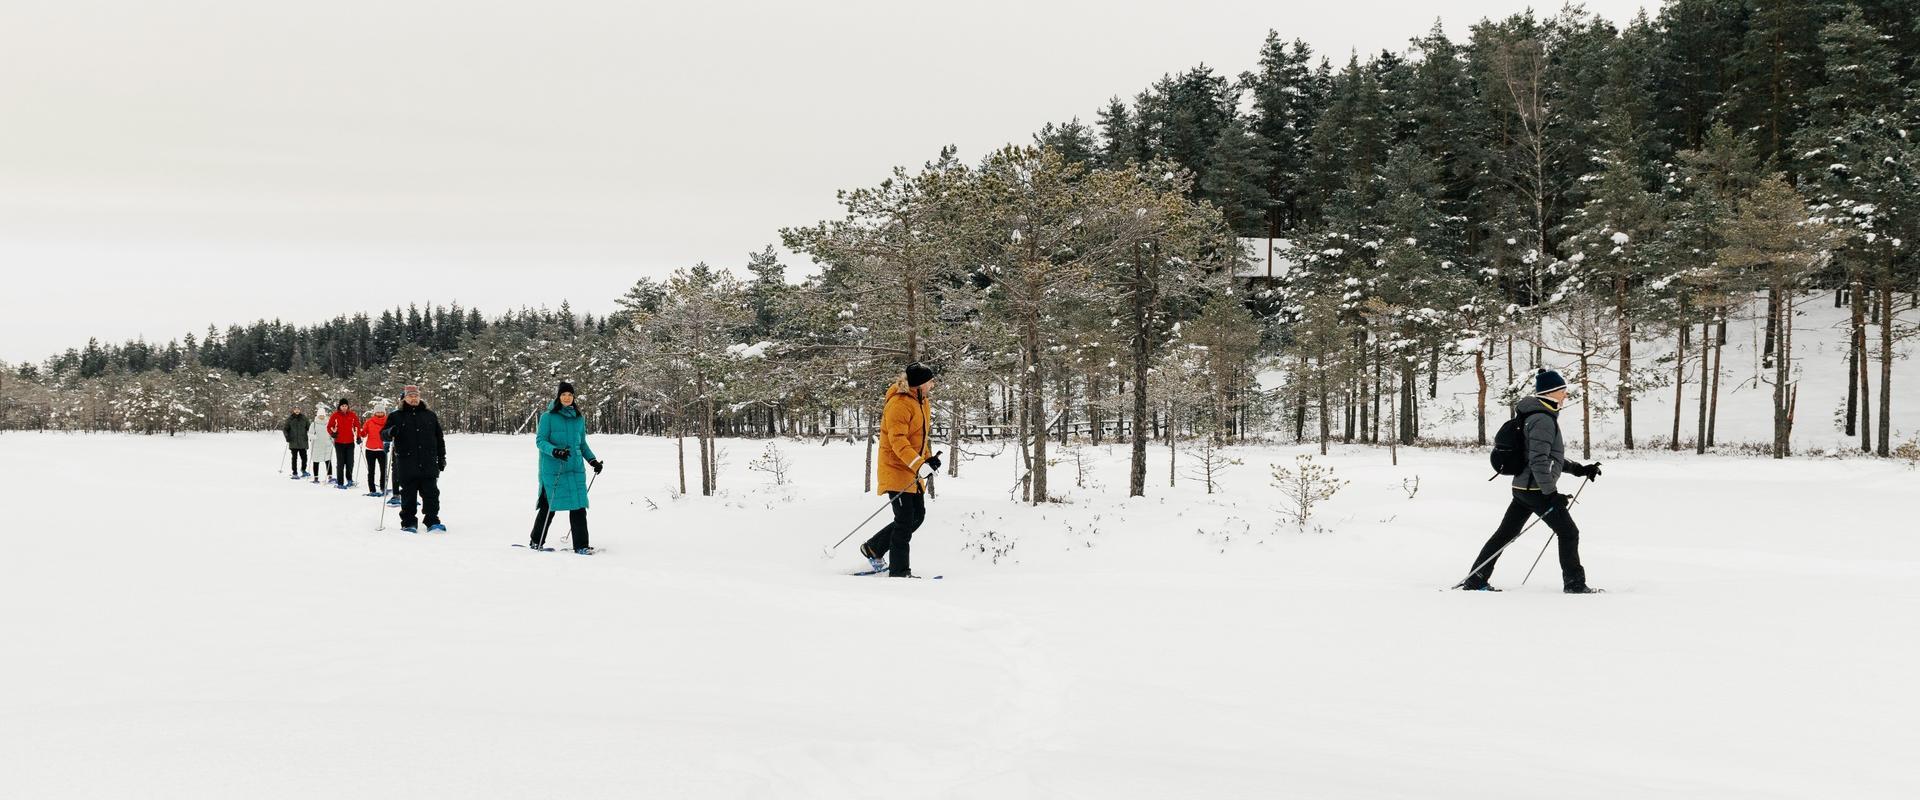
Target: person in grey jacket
x,y
1536,490
295,429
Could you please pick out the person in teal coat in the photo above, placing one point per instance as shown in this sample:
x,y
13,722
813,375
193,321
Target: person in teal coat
x,y
564,458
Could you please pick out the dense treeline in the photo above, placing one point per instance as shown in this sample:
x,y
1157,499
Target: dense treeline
x,y
1548,192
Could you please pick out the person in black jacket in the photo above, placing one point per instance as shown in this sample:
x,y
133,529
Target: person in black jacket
x,y
295,429
419,450
1536,490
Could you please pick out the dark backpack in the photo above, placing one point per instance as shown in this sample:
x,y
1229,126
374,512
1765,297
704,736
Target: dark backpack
x,y
1509,455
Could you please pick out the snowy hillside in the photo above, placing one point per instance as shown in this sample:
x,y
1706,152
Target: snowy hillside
x,y
1745,416
184,622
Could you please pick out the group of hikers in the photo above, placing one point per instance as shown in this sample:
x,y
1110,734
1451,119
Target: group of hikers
x,y
413,437
1529,447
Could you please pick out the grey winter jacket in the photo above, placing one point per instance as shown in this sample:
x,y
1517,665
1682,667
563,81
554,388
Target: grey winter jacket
x,y
1546,453
296,430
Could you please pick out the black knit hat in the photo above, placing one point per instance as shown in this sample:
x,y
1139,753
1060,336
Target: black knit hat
x,y
1547,380
918,373
566,387
343,402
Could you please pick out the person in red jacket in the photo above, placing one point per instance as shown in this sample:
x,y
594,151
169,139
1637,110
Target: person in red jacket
x,y
375,448
343,426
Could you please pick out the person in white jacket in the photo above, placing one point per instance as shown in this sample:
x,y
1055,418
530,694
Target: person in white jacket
x,y
320,444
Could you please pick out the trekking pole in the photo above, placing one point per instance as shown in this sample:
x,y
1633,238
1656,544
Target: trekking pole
x,y
1516,537
918,480
1552,533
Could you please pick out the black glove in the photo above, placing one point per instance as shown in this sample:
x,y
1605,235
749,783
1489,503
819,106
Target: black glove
x,y
442,466
563,453
597,465
1593,471
1558,500
1588,471
933,463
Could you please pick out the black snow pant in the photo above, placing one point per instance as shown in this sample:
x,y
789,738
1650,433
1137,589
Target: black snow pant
x,y
1526,504
909,510
417,487
343,455
299,461
543,519
376,458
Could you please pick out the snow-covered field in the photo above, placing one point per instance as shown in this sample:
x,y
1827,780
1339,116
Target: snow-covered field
x,y
181,621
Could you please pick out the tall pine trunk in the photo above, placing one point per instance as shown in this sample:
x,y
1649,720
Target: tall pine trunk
x,y
1884,442
1626,360
1679,383
1713,402
1036,386
1860,344
1142,300
1480,398
1706,384
1780,323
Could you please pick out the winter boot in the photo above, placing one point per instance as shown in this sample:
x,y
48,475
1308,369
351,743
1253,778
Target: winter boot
x,y
583,551
876,564
1582,588
1475,584
436,528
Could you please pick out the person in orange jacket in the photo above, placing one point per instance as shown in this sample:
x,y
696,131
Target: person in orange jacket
x,y
904,423
376,449
343,425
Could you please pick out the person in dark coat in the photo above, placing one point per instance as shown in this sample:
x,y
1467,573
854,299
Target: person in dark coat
x,y
1536,489
295,429
564,455
419,450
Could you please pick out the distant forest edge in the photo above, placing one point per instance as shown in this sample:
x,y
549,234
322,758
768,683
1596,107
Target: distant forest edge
x,y
1553,191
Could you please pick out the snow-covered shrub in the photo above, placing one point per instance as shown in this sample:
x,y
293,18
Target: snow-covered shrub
x,y
774,463
1303,487
1208,464
983,540
1231,529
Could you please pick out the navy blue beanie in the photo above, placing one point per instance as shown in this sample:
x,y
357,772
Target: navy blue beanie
x,y
1547,380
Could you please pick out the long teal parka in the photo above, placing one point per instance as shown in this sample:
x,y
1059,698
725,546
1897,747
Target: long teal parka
x,y
565,482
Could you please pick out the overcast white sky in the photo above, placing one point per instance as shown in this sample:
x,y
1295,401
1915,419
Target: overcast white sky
x,y
167,165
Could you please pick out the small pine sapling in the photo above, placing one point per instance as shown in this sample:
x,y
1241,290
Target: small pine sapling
x,y
1303,487
774,463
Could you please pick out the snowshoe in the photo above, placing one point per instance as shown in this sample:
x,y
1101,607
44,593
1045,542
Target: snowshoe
x,y
875,563
1581,588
